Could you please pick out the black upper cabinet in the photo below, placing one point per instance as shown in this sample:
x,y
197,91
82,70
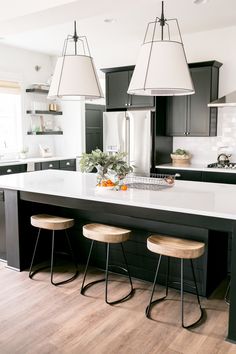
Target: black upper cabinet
x,y
189,115
94,127
117,83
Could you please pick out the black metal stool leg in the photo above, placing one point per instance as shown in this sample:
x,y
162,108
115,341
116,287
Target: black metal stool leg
x,y
148,309
85,287
52,257
72,254
167,275
107,271
127,268
197,294
32,261
52,261
182,290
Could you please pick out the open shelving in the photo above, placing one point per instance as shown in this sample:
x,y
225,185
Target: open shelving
x,y
56,132
37,111
39,123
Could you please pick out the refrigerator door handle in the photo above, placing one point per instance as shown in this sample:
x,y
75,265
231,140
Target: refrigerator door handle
x,y
127,140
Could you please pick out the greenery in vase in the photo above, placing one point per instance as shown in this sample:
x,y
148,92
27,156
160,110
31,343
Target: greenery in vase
x,y
105,163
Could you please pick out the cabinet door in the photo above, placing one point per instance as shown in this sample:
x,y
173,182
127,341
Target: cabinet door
x,y
68,165
116,89
198,123
177,111
187,175
54,165
219,177
6,170
140,101
94,127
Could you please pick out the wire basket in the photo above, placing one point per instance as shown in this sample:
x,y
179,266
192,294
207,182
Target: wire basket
x,y
151,182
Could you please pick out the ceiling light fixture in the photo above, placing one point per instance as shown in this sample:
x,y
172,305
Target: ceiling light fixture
x,y
161,68
75,74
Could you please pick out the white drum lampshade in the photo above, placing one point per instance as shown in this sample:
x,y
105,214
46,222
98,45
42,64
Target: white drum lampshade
x,y
161,68
75,76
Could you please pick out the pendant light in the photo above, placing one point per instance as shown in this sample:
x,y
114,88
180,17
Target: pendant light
x,y
75,75
161,68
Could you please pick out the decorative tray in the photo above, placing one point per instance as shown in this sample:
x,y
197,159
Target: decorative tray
x,y
151,182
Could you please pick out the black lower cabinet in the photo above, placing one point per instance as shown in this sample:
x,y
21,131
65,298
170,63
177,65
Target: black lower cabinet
x,y
68,165
187,175
219,177
5,170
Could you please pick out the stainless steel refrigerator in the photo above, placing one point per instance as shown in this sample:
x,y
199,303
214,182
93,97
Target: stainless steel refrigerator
x,y
130,132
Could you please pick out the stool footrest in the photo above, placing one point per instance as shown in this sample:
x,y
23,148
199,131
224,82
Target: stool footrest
x,y
85,288
149,308
32,273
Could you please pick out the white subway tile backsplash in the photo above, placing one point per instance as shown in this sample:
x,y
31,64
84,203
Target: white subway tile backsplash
x,y
205,150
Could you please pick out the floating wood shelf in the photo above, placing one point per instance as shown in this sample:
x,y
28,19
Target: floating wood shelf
x,y
54,113
59,132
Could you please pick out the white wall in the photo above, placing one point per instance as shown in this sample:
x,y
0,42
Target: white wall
x,y
72,142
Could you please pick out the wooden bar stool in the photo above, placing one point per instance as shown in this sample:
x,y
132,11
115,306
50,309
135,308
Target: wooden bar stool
x,y
50,222
177,248
107,234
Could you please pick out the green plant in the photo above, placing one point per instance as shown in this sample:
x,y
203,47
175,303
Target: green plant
x,y
105,162
181,152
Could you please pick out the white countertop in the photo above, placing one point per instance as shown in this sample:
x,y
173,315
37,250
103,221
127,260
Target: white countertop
x,y
197,167
199,198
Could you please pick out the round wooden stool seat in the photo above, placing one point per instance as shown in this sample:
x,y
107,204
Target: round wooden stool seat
x,y
175,247
50,222
106,233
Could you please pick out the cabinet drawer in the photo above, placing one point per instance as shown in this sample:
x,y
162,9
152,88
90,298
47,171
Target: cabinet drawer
x,y
50,165
187,175
68,165
219,177
5,170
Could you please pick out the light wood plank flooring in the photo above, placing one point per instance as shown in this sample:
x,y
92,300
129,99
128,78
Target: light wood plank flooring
x,y
38,318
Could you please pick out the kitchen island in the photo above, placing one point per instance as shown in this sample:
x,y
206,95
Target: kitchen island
x,y
194,204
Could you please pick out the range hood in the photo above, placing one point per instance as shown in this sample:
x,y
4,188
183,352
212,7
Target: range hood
x,y
225,101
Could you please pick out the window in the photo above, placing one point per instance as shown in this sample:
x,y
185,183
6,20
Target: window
x,y
10,113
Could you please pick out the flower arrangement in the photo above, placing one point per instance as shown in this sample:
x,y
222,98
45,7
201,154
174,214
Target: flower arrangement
x,y
109,166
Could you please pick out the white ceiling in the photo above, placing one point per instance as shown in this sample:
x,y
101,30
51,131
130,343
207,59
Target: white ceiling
x,y
43,25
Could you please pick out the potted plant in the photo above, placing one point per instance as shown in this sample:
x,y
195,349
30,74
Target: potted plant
x,y
180,157
111,168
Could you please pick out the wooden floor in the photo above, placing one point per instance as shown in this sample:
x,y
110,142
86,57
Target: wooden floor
x,y
37,317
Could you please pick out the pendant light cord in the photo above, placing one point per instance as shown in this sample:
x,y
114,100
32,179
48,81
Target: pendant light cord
x,y
75,37
162,20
